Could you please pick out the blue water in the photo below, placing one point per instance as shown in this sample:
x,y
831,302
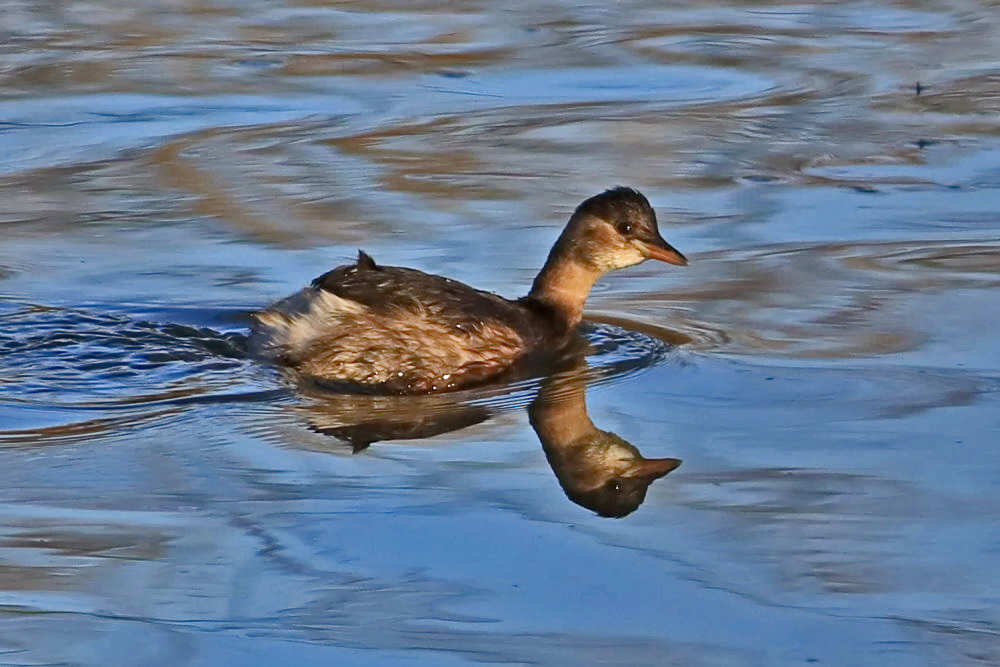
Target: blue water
x,y
826,368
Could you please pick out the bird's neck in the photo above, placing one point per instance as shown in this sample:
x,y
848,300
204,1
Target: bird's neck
x,y
559,412
562,286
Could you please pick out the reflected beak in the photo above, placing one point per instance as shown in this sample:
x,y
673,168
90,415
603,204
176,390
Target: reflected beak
x,y
664,252
652,468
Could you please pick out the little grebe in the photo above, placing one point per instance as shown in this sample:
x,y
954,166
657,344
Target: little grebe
x,y
397,330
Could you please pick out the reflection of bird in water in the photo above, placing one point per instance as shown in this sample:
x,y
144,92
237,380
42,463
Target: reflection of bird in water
x,y
361,419
597,469
395,330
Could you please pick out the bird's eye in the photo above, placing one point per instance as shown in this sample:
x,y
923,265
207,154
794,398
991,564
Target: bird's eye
x,y
624,228
613,485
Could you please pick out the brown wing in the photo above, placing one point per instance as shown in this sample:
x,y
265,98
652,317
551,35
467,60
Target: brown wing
x,y
397,329
387,289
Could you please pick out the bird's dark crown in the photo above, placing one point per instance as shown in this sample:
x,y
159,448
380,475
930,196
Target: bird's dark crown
x,y
618,203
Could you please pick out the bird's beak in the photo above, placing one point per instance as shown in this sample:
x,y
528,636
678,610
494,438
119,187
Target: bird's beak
x,y
652,468
664,252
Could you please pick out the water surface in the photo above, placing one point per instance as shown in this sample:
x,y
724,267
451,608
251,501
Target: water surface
x,y
827,367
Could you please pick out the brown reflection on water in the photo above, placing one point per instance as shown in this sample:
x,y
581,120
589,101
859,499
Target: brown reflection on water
x,y
826,301
830,168
257,193
439,160
961,96
96,542
360,420
596,469
77,432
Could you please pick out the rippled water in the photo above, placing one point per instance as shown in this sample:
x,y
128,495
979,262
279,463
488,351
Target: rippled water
x,y
827,368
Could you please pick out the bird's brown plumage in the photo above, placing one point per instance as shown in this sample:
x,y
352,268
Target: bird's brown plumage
x,y
393,329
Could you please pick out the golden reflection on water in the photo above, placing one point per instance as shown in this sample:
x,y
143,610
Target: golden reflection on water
x,y
830,169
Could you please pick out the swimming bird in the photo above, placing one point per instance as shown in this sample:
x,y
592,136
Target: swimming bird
x,y
372,328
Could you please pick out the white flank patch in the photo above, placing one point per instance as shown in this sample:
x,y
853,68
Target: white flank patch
x,y
293,324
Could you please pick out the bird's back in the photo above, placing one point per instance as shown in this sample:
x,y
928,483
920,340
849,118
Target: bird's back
x,y
396,329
